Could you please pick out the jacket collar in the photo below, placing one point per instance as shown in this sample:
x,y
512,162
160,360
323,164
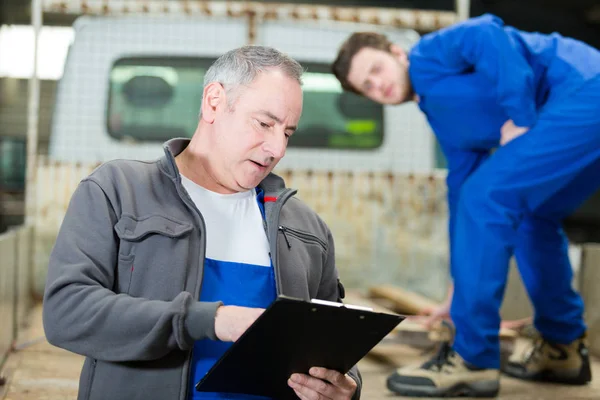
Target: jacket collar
x,y
272,185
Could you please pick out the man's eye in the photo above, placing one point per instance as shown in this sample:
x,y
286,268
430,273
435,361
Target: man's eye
x,y
263,125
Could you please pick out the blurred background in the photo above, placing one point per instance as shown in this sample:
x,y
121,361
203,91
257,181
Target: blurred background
x,y
116,78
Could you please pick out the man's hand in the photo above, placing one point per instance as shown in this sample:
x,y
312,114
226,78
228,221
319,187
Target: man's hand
x,y
232,321
430,316
510,131
323,384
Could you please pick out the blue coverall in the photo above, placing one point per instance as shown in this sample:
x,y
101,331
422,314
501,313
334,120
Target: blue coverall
x,y
471,78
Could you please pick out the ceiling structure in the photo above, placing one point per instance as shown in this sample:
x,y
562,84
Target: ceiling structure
x,y
575,18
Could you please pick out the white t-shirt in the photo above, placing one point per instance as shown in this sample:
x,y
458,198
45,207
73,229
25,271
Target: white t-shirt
x,y
234,225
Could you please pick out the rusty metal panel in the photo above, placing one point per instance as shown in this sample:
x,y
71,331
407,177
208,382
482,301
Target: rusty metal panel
x,y
24,260
56,182
7,292
15,298
423,20
388,228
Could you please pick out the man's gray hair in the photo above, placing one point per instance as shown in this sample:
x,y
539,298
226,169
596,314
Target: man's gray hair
x,y
241,66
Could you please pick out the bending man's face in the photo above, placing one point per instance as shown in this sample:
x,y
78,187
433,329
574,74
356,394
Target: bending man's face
x,y
381,76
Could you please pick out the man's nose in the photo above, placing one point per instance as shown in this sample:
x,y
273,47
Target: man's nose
x,y
276,144
378,83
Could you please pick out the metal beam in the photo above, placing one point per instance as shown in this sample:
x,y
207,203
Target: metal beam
x,y
421,20
33,111
463,9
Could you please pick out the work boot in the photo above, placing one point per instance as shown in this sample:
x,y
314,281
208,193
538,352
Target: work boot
x,y
445,375
551,362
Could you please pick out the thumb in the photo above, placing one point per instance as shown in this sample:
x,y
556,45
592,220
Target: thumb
x,y
426,311
428,323
430,320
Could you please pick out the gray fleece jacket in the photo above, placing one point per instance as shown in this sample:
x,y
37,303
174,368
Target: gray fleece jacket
x,y
126,270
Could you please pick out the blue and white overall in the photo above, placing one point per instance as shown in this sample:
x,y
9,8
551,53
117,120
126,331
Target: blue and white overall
x,y
471,78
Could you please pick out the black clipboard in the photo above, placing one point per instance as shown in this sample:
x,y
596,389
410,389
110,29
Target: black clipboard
x,y
293,335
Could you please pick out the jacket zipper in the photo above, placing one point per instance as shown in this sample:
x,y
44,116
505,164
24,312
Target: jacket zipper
x,y
273,236
307,237
91,378
283,230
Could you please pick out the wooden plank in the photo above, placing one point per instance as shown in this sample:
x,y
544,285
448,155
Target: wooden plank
x,y
356,298
414,304
404,301
406,333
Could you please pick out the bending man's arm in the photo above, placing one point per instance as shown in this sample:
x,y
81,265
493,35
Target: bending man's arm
x,y
483,44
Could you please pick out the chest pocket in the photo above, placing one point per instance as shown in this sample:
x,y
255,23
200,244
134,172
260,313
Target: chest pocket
x,y
306,254
154,254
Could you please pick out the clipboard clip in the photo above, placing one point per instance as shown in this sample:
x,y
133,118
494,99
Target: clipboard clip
x,y
336,304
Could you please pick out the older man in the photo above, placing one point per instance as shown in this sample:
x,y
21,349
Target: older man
x,y
159,266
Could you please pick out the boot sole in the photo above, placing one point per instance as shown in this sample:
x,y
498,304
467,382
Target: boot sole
x,y
475,389
583,377
550,376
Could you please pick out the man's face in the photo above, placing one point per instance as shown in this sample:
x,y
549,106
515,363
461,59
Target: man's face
x,y
251,133
381,76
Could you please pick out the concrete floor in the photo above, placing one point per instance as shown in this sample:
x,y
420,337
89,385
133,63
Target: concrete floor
x,y
43,372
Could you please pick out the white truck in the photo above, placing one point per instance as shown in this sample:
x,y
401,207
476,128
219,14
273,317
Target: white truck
x,y
130,83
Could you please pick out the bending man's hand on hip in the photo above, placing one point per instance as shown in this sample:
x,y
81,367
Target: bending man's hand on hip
x,y
510,131
323,384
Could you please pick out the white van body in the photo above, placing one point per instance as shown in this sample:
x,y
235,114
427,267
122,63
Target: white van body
x,y
79,127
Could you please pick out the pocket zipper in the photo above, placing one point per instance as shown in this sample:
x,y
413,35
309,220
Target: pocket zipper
x,y
306,237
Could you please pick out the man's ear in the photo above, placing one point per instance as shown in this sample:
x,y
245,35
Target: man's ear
x,y
399,53
212,97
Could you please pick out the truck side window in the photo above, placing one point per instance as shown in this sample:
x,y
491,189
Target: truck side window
x,y
12,164
155,99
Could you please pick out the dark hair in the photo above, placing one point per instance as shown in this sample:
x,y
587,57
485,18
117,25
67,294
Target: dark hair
x,y
356,42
